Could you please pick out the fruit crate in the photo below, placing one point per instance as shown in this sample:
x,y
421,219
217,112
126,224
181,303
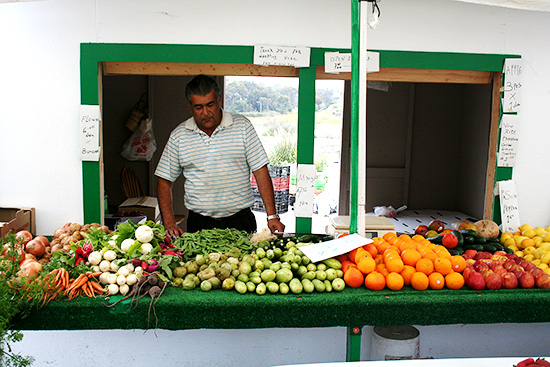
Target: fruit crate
x,y
280,176
282,198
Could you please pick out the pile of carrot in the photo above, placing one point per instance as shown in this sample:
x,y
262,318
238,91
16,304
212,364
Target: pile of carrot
x,y
72,288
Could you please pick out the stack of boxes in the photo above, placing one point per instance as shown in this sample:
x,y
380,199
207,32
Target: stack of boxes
x,y
280,176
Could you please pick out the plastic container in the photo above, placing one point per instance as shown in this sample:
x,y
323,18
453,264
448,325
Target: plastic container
x,y
395,343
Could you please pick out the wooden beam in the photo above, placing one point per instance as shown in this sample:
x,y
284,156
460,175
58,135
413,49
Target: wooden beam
x,y
417,76
177,68
493,142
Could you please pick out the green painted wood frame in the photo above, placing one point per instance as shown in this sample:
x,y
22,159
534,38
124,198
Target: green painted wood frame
x,y
92,54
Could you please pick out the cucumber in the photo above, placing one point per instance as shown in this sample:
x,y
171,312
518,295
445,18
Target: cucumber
x,y
489,248
459,236
476,247
435,239
469,240
493,239
468,232
508,250
456,251
480,240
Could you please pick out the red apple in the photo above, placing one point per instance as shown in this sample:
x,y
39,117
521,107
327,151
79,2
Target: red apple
x,y
450,240
509,281
476,281
536,272
421,230
526,280
509,264
517,270
500,271
500,253
493,281
528,266
467,272
543,280
469,254
480,265
436,225
483,255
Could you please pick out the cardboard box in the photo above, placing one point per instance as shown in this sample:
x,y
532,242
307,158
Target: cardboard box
x,y
17,219
374,226
146,204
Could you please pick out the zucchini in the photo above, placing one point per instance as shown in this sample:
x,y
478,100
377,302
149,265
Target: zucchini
x,y
493,239
456,251
468,232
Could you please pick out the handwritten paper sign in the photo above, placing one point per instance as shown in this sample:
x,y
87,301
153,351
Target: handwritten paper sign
x,y
282,55
508,140
336,62
305,188
508,206
90,118
512,85
325,250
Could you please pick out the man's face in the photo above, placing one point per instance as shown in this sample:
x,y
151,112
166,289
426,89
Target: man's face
x,y
206,111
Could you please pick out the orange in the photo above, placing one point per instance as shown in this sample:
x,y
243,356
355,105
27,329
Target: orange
x,y
342,258
382,246
442,251
388,235
405,237
443,266
410,257
420,281
361,252
381,268
417,238
437,280
366,264
393,240
371,249
391,249
459,263
394,281
394,264
375,281
425,266
353,277
430,255
407,245
407,273
377,240
348,264
454,280
352,254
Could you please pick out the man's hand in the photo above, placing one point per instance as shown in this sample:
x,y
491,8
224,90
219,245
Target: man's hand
x,y
276,226
173,230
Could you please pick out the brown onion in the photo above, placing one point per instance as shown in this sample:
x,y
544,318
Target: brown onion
x,y
43,239
58,232
26,236
31,267
36,247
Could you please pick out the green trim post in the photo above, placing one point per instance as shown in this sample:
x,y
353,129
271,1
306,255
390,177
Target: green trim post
x,y
353,344
306,128
354,132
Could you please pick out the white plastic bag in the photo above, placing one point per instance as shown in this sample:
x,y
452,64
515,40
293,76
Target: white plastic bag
x,y
141,145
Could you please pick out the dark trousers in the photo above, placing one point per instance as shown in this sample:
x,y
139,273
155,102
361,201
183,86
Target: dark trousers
x,y
243,220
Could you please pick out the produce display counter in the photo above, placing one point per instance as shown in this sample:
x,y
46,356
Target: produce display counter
x,y
177,309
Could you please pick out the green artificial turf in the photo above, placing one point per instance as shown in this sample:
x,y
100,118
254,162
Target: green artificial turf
x,y
178,309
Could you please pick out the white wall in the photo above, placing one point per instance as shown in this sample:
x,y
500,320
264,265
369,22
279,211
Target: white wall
x,y
40,91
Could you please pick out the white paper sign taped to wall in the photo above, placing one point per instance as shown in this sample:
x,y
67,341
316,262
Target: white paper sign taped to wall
x,y
306,174
509,211
512,85
336,62
282,56
508,140
90,120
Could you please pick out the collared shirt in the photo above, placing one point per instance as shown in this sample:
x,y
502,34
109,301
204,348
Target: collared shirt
x,y
216,168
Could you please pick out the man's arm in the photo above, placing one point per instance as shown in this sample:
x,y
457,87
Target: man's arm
x,y
265,186
164,195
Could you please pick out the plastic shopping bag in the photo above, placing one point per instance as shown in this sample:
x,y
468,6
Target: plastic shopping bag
x,y
142,144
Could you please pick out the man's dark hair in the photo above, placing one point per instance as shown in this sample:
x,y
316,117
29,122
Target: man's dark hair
x,y
201,85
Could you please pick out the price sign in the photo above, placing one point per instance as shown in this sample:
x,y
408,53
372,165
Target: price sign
x,y
508,140
305,189
326,250
509,206
512,85
90,119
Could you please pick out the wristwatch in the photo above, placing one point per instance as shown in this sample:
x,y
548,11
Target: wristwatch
x,y
273,216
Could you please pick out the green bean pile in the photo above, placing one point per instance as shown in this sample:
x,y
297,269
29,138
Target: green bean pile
x,y
207,241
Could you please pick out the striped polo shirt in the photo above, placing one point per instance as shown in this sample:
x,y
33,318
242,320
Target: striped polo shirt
x,y
216,168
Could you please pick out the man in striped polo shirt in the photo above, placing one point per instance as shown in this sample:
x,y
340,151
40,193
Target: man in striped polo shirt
x,y
215,151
